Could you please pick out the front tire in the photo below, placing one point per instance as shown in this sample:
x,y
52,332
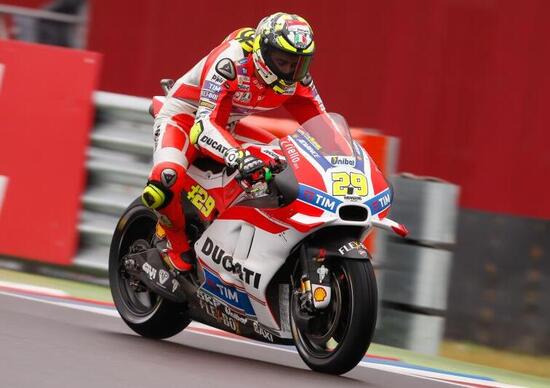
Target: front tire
x,y
143,311
337,339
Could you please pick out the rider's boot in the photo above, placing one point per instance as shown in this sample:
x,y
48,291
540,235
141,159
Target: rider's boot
x,y
174,248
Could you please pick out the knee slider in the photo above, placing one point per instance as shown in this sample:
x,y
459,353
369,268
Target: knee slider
x,y
156,196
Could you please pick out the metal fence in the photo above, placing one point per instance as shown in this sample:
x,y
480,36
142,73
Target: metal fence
x,y
118,162
414,273
45,25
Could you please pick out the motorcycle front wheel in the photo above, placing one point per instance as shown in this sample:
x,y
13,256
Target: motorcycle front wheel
x,y
337,338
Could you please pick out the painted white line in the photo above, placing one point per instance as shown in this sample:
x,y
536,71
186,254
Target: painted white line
x,y
3,178
96,310
27,287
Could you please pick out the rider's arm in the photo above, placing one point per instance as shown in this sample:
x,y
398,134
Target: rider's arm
x,y
218,84
305,103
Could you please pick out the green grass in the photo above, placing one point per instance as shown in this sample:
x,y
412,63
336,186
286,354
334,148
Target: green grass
x,y
76,289
519,362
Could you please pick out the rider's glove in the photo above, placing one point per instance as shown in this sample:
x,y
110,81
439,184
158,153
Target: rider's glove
x,y
241,160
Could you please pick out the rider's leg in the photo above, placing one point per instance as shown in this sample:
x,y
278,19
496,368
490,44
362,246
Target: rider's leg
x,y
246,133
172,156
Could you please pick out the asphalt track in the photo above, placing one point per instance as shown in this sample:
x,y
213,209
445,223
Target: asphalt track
x,y
48,345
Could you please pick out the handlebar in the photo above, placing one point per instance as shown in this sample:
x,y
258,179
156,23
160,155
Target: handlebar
x,y
259,185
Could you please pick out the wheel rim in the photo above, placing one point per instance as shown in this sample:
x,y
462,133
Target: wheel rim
x,y
327,330
139,301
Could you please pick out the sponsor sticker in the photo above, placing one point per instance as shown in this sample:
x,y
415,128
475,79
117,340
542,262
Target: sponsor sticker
x,y
380,202
212,86
322,271
351,246
213,144
226,68
292,153
243,97
342,161
168,177
318,198
163,276
203,201
311,148
319,294
226,293
150,271
214,252
209,95
259,329
216,78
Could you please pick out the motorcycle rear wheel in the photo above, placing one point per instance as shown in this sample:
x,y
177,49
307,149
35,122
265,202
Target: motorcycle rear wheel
x,y
337,338
143,311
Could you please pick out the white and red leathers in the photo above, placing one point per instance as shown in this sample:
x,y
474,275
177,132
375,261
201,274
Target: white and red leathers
x,y
201,117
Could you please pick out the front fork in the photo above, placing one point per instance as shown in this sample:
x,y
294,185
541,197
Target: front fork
x,y
315,291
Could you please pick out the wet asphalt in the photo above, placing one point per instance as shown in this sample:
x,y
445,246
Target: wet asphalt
x,y
44,345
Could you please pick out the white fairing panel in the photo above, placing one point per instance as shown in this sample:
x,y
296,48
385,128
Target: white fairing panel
x,y
216,249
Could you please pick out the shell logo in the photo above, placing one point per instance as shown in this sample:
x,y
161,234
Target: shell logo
x,y
319,294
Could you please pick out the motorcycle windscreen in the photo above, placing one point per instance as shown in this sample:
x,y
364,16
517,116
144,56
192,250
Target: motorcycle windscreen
x,y
330,133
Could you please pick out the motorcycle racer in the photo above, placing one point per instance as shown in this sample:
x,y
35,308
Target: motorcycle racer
x,y
251,71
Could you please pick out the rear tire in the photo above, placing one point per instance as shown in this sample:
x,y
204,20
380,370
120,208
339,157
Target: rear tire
x,y
144,312
348,322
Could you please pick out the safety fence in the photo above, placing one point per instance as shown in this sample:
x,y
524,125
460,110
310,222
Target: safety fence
x,y
414,273
118,162
51,25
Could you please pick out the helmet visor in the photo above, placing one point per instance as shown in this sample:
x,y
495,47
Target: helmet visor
x,y
287,66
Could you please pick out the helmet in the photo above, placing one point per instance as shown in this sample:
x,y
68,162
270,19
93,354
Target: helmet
x,y
282,50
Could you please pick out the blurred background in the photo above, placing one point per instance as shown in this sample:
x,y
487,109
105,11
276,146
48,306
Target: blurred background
x,y
453,92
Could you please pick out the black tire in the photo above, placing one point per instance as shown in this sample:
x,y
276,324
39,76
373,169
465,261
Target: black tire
x,y
144,312
354,324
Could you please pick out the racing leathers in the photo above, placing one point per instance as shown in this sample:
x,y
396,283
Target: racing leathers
x,y
199,117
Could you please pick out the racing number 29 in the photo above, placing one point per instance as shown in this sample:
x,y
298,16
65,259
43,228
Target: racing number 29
x,y
344,183
201,200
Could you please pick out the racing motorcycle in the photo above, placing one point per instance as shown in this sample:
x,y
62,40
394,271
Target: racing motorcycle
x,y
279,260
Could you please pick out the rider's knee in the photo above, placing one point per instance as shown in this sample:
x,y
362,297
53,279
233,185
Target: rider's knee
x,y
160,188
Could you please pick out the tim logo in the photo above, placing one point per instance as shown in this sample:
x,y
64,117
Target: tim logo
x,y
385,200
228,293
318,198
380,202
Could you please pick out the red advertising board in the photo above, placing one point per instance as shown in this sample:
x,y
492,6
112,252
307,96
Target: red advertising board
x,y
45,118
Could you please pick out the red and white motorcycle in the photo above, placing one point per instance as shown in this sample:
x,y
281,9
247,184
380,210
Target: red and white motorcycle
x,y
281,261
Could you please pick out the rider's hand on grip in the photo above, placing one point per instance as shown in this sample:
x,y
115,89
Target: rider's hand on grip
x,y
250,167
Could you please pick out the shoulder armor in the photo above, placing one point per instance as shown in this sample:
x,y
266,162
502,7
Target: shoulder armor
x,y
226,68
